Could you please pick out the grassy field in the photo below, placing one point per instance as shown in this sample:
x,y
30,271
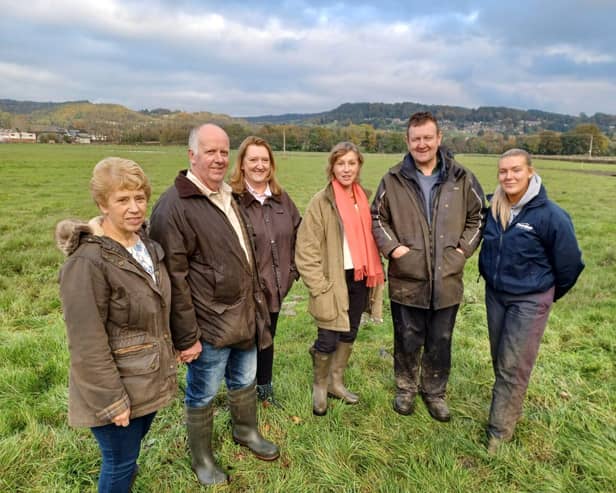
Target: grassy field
x,y
565,442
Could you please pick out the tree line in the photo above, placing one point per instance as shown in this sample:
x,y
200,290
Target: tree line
x,y
388,116
583,139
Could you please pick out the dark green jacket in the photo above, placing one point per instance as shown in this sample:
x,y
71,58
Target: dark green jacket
x,y
430,275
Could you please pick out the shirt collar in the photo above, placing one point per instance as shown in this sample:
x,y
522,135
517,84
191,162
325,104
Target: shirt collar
x,y
224,189
259,196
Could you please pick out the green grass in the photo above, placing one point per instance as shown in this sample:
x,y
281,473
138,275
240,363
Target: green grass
x,y
565,442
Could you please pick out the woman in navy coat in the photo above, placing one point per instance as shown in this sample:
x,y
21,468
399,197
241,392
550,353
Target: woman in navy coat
x,y
529,259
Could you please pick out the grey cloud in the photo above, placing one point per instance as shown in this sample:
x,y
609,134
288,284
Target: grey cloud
x,y
298,56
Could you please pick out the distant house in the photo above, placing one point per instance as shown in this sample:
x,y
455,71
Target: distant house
x,y
99,138
83,138
50,133
79,136
12,136
29,137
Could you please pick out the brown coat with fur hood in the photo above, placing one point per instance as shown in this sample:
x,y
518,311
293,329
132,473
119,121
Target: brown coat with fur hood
x,y
117,321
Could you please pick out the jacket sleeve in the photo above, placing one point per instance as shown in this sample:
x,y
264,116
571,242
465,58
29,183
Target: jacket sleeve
x,y
85,299
475,216
297,219
308,250
564,253
384,235
169,228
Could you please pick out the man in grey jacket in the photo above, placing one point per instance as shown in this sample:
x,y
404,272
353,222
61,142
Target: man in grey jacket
x,y
427,220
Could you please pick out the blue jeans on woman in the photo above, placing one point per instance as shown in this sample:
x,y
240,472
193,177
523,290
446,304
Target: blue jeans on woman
x,y
120,449
205,374
515,325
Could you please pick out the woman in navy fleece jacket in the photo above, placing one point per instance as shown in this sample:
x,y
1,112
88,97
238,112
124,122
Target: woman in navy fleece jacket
x,y
529,259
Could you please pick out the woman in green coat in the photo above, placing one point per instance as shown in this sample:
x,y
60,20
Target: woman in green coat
x,y
339,262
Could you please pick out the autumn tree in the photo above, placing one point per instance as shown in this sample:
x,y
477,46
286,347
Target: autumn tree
x,y
549,143
600,143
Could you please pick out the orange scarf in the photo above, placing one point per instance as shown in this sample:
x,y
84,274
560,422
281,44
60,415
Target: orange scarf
x,y
357,224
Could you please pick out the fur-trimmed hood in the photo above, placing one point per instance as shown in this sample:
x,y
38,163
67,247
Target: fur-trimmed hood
x,y
70,231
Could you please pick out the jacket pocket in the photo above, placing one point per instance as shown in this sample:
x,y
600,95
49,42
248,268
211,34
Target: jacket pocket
x,y
323,306
227,325
411,265
213,281
139,368
453,262
143,310
137,360
227,287
219,308
119,307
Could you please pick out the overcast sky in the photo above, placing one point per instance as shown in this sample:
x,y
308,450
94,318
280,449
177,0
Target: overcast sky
x,y
255,58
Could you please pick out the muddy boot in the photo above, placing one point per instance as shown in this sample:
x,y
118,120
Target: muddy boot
x,y
404,402
433,387
320,364
494,444
437,407
339,363
505,410
243,407
406,371
199,425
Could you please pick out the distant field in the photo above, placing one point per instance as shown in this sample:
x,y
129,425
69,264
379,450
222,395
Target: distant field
x,y
566,441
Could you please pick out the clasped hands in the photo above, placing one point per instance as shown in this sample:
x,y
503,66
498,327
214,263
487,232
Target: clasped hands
x,y
190,354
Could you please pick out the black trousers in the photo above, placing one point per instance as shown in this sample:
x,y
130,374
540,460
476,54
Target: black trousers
x,y
265,357
431,330
327,340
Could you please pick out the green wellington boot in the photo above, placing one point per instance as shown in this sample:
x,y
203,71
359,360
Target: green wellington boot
x,y
320,364
339,363
199,425
243,407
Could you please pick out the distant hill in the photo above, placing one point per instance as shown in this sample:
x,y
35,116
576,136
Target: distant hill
x,y
111,120
116,123
25,107
394,116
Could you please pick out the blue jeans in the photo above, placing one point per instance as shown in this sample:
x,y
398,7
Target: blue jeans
x,y
515,325
205,374
120,448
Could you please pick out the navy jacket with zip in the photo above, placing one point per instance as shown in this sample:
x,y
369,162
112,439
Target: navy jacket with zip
x,y
536,251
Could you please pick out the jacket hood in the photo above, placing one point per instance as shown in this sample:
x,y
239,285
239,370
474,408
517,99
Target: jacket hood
x,y
534,187
70,231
